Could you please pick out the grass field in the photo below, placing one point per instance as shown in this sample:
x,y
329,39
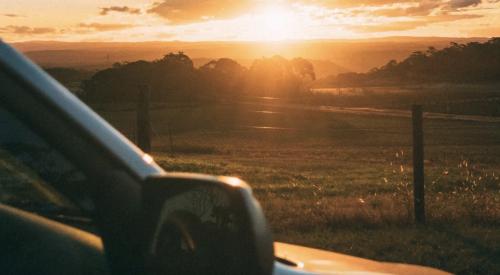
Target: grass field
x,y
343,182
464,99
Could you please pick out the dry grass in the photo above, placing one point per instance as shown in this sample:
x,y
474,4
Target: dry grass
x,y
337,183
371,220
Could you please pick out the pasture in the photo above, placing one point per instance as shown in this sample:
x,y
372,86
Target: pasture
x,y
343,181
462,99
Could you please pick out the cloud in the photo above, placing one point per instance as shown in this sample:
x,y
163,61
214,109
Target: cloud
x,y
458,4
190,11
351,3
104,27
454,4
388,27
413,24
14,29
124,9
422,9
427,7
12,15
490,31
452,17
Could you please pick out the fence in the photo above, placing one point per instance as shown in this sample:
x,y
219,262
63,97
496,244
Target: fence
x,y
327,155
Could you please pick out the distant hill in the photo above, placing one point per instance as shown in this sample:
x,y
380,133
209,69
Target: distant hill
x,y
324,68
473,62
330,56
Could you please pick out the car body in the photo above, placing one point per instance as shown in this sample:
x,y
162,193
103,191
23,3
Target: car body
x,y
109,155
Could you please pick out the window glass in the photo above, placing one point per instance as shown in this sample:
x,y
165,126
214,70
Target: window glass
x,y
36,177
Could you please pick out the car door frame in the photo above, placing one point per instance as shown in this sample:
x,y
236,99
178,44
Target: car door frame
x,y
114,186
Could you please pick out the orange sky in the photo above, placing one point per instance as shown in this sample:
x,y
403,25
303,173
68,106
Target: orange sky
x,y
202,20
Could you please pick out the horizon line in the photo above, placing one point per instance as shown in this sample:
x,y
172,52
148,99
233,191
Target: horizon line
x,y
255,41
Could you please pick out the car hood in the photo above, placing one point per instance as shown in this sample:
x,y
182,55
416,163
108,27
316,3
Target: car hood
x,y
304,260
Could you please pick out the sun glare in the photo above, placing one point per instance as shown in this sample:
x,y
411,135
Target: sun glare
x,y
274,23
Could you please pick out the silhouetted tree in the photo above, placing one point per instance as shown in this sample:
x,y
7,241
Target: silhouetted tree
x,y
223,77
171,78
458,63
303,68
118,83
174,78
277,76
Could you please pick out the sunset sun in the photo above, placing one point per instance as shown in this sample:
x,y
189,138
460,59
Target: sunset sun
x,y
274,23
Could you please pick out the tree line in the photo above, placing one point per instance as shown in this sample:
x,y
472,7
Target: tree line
x,y
175,78
459,63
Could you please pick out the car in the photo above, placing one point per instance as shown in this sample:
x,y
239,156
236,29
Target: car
x,y
77,197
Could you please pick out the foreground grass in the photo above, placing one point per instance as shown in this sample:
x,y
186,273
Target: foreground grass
x,y
343,182
362,215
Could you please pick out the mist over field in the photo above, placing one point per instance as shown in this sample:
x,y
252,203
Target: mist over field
x,y
329,56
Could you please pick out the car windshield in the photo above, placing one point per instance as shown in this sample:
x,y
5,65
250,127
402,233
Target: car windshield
x,y
370,128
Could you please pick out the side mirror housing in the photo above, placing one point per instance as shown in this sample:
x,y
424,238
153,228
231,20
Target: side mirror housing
x,y
198,224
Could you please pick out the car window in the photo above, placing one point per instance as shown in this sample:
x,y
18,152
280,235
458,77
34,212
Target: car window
x,y
36,177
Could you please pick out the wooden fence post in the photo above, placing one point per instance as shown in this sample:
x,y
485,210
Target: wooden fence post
x,y
418,164
143,119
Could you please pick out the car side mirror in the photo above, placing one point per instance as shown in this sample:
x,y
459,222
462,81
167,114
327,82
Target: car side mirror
x,y
198,224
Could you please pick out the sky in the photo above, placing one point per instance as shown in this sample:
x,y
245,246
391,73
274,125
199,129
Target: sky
x,y
245,20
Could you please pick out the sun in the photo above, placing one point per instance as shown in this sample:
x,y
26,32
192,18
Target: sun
x,y
274,23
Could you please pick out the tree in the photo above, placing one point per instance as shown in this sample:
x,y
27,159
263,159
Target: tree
x,y
304,68
174,78
459,63
277,76
223,77
171,78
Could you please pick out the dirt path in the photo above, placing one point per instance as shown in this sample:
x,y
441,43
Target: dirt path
x,y
379,112
401,113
